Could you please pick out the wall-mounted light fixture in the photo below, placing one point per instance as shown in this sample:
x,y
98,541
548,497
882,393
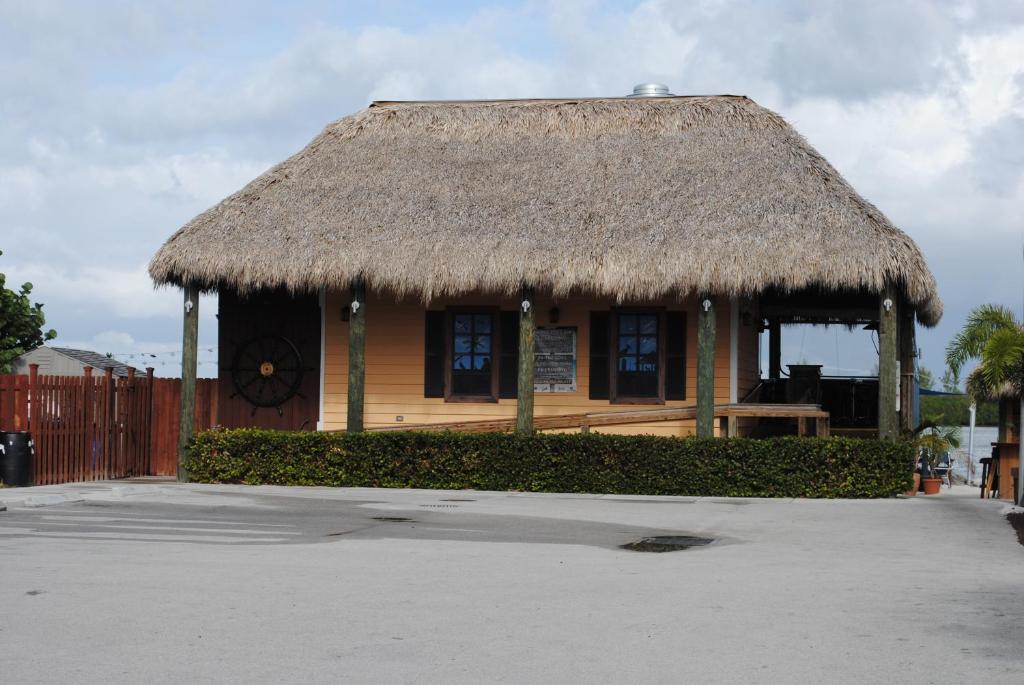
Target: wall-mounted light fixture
x,y
706,304
887,303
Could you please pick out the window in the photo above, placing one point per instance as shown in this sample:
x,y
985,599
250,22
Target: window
x,y
638,370
471,356
637,356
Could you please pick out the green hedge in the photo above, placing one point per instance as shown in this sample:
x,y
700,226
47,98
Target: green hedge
x,y
594,463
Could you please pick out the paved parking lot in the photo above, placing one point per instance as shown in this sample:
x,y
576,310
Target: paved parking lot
x,y
162,583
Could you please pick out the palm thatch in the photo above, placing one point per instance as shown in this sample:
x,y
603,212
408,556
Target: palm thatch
x,y
628,198
981,391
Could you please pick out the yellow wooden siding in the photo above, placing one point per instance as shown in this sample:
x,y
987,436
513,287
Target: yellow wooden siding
x,y
395,364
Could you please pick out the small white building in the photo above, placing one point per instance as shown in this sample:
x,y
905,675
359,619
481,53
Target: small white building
x,y
64,361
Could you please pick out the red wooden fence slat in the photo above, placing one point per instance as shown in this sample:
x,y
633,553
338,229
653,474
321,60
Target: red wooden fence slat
x,y
7,403
49,399
72,466
53,392
20,403
58,431
78,392
75,466
41,434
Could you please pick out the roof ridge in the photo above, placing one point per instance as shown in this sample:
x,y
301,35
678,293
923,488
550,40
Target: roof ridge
x,y
602,98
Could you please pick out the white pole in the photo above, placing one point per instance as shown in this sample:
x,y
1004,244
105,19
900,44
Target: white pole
x,y
970,444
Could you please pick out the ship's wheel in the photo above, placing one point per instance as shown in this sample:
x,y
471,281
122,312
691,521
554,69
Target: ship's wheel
x,y
267,371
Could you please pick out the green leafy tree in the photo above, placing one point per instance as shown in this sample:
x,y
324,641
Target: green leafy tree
x,y
994,337
946,410
21,324
925,378
951,380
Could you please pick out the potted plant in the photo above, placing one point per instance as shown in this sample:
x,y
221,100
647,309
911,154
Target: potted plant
x,y
934,443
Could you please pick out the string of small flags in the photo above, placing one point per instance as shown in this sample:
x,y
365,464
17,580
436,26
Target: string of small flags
x,y
153,358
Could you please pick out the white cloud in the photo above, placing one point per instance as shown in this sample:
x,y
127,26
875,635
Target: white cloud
x,y
995,63
114,340
105,290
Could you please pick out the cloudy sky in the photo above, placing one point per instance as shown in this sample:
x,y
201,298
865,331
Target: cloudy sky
x,y
121,121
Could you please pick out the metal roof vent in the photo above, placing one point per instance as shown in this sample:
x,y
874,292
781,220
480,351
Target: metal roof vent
x,y
650,90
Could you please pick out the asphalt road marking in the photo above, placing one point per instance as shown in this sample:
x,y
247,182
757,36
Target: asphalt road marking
x,y
138,536
105,517
128,524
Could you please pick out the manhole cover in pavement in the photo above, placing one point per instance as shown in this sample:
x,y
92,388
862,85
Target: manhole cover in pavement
x,y
667,543
393,519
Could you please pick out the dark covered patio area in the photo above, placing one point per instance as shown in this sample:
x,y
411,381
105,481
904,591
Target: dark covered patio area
x,y
858,404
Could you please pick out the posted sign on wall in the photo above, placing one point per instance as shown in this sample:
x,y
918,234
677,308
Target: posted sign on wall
x,y
555,359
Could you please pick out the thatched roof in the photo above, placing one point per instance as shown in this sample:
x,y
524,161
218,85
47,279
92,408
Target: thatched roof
x,y
980,391
630,198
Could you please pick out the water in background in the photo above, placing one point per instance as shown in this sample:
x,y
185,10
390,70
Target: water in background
x,y
984,436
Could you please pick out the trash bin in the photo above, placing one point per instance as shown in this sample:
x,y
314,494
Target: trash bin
x,y
16,459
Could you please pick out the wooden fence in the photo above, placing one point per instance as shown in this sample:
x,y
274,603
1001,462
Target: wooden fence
x,y
100,427
13,403
166,413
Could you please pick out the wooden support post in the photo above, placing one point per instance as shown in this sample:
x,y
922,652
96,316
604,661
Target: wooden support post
x,y
527,327
908,366
706,366
822,427
732,426
888,381
356,357
774,349
189,363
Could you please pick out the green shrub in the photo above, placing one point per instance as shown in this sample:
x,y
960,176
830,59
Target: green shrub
x,y
593,463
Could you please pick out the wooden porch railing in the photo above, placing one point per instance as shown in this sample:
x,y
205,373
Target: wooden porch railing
x,y
584,422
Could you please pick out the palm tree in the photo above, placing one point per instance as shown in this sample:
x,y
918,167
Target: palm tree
x,y
994,337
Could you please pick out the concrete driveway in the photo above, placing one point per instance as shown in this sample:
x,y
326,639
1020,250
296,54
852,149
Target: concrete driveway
x,y
166,583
